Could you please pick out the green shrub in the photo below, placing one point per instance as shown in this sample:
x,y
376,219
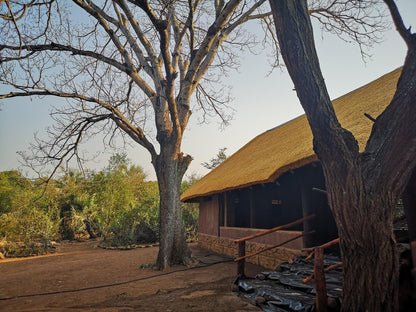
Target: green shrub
x,y
119,205
190,212
27,232
190,216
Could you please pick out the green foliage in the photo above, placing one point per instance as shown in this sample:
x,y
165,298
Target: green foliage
x,y
117,203
190,211
12,183
28,222
217,160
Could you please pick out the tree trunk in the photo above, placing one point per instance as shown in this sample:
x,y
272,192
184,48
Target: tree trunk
x,y
365,225
170,168
370,261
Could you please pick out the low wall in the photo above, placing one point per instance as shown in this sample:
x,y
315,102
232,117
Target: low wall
x,y
269,239
269,259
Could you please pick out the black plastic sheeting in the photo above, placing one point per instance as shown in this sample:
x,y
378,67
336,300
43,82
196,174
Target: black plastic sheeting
x,y
283,290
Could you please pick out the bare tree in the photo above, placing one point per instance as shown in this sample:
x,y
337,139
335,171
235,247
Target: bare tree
x,y
133,60
363,188
122,63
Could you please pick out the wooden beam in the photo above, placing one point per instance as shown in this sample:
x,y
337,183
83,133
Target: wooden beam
x,y
370,117
330,268
326,245
319,190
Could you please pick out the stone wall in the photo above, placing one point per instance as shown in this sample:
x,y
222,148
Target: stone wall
x,y
270,239
269,259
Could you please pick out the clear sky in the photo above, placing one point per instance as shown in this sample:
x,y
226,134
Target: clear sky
x,y
261,101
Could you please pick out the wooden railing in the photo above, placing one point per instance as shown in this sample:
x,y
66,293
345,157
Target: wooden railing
x,y
318,251
319,274
242,243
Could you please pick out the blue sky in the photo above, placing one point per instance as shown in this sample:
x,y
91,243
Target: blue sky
x,y
261,102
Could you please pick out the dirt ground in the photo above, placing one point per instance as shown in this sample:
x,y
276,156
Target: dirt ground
x,y
83,277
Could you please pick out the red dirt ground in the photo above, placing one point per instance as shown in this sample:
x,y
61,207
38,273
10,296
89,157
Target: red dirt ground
x,y
83,277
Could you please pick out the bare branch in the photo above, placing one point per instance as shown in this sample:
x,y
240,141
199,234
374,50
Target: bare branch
x,y
361,22
135,133
59,47
14,20
406,34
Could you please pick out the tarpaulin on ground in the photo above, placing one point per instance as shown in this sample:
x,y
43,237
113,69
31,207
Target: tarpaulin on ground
x,y
283,290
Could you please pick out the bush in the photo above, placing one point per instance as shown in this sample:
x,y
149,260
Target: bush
x,y
27,232
190,212
144,234
116,203
28,221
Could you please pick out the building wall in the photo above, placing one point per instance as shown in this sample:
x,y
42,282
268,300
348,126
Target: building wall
x,y
209,225
269,259
209,216
239,213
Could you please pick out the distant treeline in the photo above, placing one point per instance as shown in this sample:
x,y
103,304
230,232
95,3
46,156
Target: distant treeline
x,y
116,204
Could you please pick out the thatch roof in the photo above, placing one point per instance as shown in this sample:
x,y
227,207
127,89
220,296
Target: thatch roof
x,y
289,146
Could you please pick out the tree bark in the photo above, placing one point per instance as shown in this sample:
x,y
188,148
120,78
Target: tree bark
x,y
369,256
170,166
362,189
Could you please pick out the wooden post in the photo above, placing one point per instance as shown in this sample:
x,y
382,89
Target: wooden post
x,y
220,210
225,210
241,253
307,209
251,208
320,283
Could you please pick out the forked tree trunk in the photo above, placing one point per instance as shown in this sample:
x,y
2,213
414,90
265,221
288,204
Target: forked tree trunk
x,y
170,167
368,247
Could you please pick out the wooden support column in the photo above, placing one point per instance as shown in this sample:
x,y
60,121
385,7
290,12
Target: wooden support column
x,y
252,212
218,198
320,283
307,209
241,263
409,203
225,210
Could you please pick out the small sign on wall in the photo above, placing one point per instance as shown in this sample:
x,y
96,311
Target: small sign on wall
x,y
276,201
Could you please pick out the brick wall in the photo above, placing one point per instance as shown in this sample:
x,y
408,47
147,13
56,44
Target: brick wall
x,y
269,259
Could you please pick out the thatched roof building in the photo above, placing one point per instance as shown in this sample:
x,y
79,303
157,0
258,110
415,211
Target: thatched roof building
x,y
289,146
